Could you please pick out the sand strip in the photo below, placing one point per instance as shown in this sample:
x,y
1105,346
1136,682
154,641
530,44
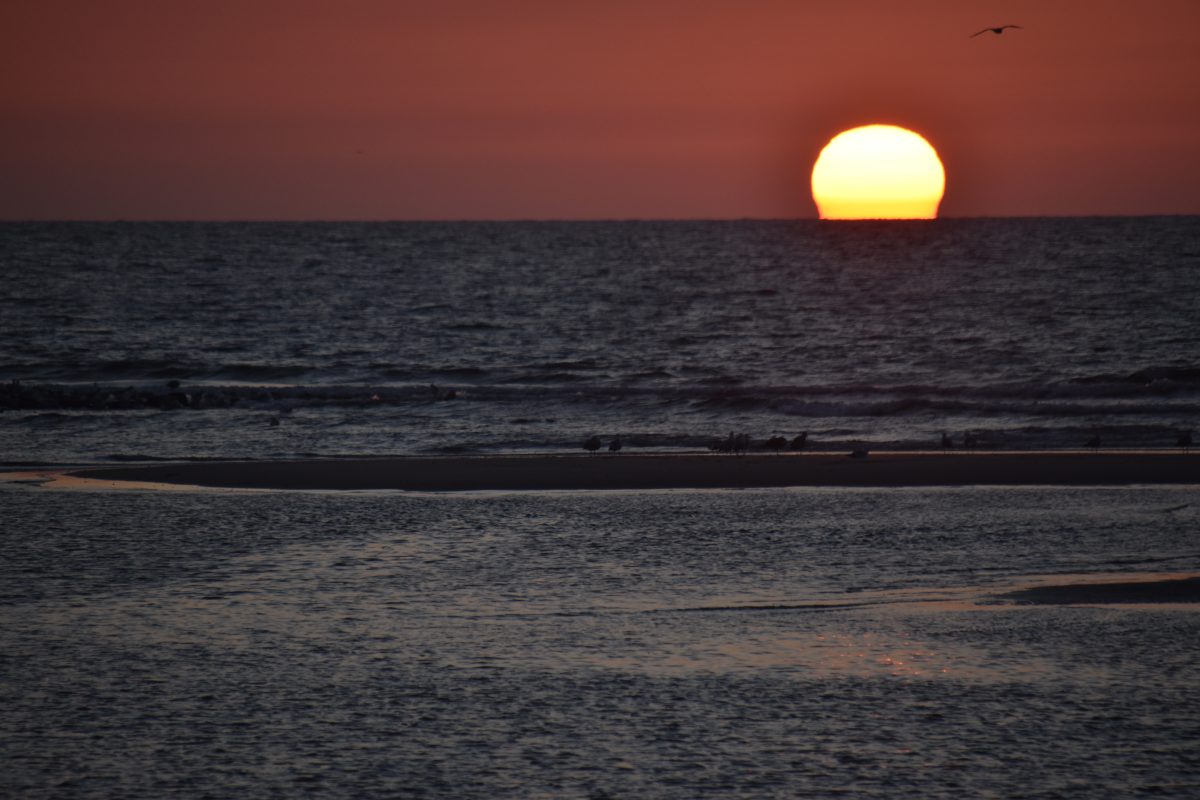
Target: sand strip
x,y
700,471
1180,590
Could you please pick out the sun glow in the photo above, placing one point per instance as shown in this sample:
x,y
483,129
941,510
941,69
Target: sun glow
x,y
878,172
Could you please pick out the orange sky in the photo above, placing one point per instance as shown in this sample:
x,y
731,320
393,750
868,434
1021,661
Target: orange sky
x,y
458,109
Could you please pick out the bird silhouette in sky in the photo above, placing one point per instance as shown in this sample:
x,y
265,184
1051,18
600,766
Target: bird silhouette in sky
x,y
996,31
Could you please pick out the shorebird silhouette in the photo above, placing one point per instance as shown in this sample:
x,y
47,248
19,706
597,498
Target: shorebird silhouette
x,y
615,445
947,442
800,441
1184,440
996,31
591,444
1093,442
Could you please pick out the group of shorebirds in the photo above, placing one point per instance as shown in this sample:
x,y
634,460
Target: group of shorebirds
x,y
740,443
593,443
733,443
1183,440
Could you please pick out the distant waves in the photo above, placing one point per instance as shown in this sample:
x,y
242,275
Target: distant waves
x,y
280,340
69,422
1151,390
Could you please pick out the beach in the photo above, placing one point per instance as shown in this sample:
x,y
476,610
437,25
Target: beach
x,y
669,471
1140,592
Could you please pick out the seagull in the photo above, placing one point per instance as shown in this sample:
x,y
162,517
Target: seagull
x,y
591,444
996,31
615,445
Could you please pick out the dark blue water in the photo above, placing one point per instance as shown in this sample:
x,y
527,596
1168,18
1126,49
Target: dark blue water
x,y
1028,332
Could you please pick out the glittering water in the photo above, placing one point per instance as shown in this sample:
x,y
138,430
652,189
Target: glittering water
x,y
1029,332
673,644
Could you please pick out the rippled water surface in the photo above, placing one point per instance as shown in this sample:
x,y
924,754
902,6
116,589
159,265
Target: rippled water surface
x,y
1028,332
674,644
759,644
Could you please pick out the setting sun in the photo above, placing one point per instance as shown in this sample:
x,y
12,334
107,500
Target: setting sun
x,y
878,172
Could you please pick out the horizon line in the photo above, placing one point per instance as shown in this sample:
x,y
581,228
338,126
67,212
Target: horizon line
x,y
545,220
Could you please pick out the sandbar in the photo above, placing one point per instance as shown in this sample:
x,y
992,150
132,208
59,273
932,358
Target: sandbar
x,y
673,470
1176,590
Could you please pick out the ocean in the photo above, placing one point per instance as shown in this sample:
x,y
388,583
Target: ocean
x,y
752,643
192,340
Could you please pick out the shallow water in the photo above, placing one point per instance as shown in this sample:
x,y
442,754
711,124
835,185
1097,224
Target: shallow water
x,y
754,643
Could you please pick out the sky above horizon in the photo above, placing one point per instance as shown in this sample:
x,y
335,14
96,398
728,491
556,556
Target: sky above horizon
x,y
530,109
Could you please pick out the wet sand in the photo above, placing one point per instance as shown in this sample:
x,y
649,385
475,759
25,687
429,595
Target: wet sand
x,y
1178,590
661,471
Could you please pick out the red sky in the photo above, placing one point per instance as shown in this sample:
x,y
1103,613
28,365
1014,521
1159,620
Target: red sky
x,y
478,109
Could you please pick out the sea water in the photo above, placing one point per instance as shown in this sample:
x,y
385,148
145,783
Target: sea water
x,y
659,644
174,340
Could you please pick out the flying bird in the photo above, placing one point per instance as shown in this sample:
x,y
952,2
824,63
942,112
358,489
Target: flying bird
x,y
996,31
